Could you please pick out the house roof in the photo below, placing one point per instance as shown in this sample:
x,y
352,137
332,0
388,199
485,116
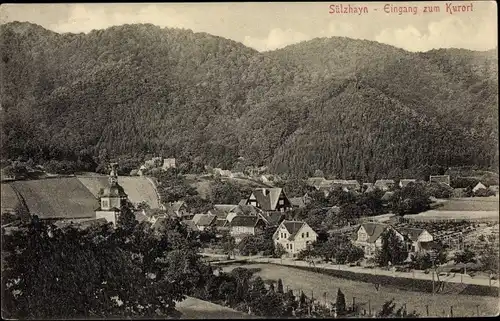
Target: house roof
x,y
245,220
405,181
412,233
297,201
221,210
140,216
315,181
190,224
293,227
273,218
175,206
246,210
204,219
374,230
440,178
220,222
383,182
267,197
243,202
387,196
479,185
352,181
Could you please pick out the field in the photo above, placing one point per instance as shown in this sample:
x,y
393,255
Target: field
x,y
138,189
57,197
192,308
439,304
472,204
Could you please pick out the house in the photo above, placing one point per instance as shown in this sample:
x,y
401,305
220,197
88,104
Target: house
x,y
440,179
229,211
367,187
294,236
179,209
387,196
270,199
243,225
384,184
369,237
352,185
418,238
315,181
237,175
478,187
168,163
222,210
204,221
301,201
268,179
405,181
112,198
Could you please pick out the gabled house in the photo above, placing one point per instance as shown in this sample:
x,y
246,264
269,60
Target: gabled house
x,y
367,187
478,187
222,210
269,199
418,238
294,236
204,221
384,184
405,181
387,196
369,237
243,225
440,179
179,209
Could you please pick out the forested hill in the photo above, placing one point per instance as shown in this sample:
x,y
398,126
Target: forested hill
x,y
353,108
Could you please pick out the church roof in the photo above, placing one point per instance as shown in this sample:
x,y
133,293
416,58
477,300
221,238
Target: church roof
x,y
115,190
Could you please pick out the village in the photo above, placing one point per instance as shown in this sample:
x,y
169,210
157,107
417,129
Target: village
x,y
446,222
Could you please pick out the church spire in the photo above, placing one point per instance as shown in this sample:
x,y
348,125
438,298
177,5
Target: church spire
x,y
113,175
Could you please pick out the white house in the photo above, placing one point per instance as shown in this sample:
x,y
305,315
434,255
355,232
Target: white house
x,y
243,225
418,237
478,187
403,182
294,236
369,237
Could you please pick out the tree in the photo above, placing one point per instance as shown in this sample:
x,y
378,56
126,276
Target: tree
x,y
389,311
280,286
465,256
483,192
279,250
223,192
228,245
393,249
340,303
118,272
296,187
411,199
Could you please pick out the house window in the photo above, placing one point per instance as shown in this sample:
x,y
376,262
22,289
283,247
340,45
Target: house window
x,y
307,234
291,246
105,203
287,246
282,202
302,235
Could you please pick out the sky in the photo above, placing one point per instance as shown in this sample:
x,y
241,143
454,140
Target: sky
x,y
269,26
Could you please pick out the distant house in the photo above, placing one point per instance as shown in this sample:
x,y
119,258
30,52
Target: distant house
x,y
268,179
222,172
387,196
352,185
179,209
237,175
222,210
168,163
270,199
300,202
369,237
403,182
367,187
315,182
384,184
229,211
440,179
204,221
243,225
478,187
294,236
418,238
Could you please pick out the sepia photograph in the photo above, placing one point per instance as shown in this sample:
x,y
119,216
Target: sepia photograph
x,y
249,160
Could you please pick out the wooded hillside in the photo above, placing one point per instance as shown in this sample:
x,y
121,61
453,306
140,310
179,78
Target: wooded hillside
x,y
352,108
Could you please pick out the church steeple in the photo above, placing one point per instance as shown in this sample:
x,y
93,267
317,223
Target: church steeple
x,y
113,175
112,198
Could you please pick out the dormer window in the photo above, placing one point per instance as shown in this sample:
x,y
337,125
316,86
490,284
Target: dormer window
x,y
105,203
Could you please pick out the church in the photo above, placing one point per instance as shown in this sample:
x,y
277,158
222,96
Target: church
x,y
112,198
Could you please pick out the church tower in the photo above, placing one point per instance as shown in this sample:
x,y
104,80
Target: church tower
x,y
112,199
